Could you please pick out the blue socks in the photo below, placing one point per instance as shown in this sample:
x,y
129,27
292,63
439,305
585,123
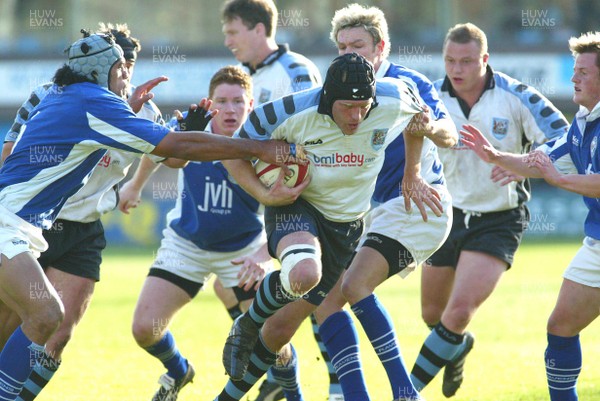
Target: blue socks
x,y
334,383
166,351
379,328
563,365
341,340
438,349
17,360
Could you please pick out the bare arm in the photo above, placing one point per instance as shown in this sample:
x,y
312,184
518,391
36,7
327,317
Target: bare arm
x,y
517,163
279,194
203,146
413,186
442,132
130,192
583,184
142,93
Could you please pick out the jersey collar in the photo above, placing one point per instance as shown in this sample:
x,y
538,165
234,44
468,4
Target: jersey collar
x,y
271,58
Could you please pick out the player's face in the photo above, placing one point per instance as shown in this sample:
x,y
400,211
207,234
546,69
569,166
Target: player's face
x,y
586,80
348,114
241,40
130,65
119,79
465,66
359,40
233,104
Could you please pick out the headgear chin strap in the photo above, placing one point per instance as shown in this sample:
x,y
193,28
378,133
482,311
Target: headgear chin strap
x,y
349,77
93,56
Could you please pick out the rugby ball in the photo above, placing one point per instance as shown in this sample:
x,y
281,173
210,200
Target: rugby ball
x,y
268,173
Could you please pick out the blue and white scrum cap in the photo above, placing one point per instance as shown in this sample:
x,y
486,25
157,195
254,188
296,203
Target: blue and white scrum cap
x,y
349,77
94,55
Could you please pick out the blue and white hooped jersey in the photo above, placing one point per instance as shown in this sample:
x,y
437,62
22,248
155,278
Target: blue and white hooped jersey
x,y
512,116
281,73
344,167
212,210
66,136
389,180
577,153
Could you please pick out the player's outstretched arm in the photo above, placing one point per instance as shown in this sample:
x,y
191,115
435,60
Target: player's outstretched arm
x,y
142,94
442,132
472,138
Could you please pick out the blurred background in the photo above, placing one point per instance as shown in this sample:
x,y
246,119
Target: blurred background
x,y
182,39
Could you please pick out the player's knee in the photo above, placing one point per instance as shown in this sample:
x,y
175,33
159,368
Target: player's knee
x,y
300,269
431,315
354,290
46,319
145,332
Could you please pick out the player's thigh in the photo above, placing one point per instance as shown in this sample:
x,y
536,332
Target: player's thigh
x,y
477,275
159,301
577,306
74,291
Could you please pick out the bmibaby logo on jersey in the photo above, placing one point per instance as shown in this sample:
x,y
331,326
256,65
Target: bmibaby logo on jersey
x,y
340,160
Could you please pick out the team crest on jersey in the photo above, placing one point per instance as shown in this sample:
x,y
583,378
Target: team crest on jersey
x,y
378,138
499,127
264,96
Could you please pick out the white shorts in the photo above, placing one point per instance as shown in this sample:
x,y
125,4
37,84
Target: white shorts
x,y
183,258
18,236
585,266
420,238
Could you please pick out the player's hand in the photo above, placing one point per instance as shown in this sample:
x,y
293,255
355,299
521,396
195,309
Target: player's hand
x,y
472,138
280,194
142,94
543,163
504,176
417,190
280,152
197,118
129,197
253,268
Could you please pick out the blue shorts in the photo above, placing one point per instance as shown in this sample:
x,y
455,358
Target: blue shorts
x,y
338,240
497,234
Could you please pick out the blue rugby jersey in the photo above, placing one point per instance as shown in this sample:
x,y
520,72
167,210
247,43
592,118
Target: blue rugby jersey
x,y
344,167
389,180
66,136
577,153
212,211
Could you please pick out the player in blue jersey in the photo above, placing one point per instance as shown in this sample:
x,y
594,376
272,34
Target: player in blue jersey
x,y
395,241
215,228
65,138
490,217
76,239
345,127
249,27
570,162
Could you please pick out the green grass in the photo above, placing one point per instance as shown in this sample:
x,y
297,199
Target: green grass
x,y
103,362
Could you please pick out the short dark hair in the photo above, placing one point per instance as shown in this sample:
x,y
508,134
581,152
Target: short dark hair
x,y
231,75
465,33
252,12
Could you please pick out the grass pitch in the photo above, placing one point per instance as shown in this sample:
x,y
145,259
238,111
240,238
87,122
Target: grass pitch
x,y
103,363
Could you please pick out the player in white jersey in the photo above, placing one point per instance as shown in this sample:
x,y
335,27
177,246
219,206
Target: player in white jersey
x,y
572,163
249,27
76,239
489,217
395,241
345,127
52,160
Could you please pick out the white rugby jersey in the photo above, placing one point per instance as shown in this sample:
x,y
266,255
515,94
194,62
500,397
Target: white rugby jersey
x,y
344,167
99,195
512,116
281,73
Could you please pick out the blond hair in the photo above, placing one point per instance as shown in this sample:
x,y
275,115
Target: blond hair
x,y
586,43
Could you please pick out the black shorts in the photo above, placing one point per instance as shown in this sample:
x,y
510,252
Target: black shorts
x,y
74,248
497,234
337,240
